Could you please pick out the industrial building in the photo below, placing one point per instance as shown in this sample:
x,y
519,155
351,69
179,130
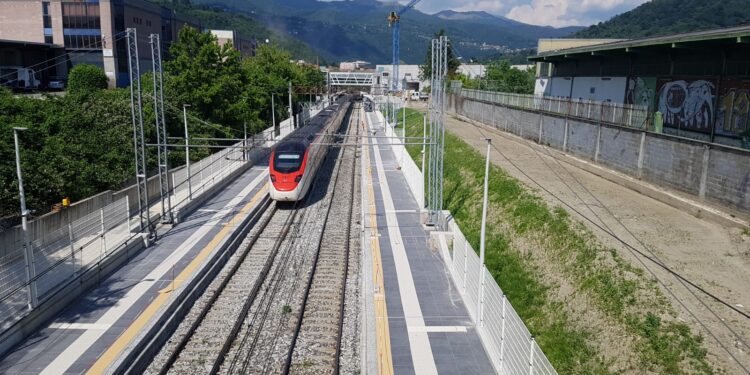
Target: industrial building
x,y
245,45
699,82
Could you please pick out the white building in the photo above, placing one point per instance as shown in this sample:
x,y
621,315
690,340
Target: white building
x,y
409,75
348,66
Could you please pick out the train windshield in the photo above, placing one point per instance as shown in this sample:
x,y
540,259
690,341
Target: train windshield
x,y
287,162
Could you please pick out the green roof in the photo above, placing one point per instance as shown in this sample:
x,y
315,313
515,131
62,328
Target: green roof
x,y
739,34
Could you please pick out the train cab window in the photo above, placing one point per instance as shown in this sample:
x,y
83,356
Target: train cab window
x,y
287,162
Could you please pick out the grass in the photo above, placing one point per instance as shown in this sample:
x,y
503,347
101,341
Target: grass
x,y
619,291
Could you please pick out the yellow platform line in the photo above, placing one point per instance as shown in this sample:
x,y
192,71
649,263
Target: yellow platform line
x,y
382,332
114,351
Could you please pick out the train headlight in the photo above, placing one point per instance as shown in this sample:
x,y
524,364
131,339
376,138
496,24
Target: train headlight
x,y
298,178
273,177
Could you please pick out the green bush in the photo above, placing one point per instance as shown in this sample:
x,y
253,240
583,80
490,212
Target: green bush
x,y
86,78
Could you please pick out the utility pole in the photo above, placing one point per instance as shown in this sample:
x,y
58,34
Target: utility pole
x,y
403,122
424,142
273,118
483,234
187,152
244,140
291,113
28,253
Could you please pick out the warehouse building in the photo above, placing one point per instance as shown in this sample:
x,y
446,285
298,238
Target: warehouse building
x,y
699,82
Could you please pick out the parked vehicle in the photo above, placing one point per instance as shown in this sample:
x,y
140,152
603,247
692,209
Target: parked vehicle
x,y
19,78
423,96
56,84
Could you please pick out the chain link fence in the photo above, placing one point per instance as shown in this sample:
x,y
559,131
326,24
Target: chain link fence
x,y
630,115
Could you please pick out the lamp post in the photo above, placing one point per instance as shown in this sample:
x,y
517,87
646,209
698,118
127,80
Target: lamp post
x,y
483,234
187,151
291,113
424,140
273,118
28,251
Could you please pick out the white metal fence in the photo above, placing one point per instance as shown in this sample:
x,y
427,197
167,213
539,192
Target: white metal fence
x,y
630,115
511,347
60,256
209,171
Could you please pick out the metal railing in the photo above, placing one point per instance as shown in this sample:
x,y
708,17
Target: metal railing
x,y
60,256
630,115
509,344
63,254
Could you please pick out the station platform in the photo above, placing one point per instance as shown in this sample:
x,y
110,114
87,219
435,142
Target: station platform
x,y
421,325
88,335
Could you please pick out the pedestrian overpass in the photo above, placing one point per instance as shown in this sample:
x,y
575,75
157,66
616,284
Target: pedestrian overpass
x,y
351,79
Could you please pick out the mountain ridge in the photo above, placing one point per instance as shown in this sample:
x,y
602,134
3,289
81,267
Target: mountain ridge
x,y
358,29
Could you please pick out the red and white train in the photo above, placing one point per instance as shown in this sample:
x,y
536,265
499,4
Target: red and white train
x,y
295,160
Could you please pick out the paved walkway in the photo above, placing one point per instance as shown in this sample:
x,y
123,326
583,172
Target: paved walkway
x,y
429,330
80,335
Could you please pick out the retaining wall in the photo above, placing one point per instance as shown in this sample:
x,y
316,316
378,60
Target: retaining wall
x,y
711,172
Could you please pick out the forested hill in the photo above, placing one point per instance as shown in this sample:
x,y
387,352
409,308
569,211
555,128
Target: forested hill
x,y
663,17
245,25
358,29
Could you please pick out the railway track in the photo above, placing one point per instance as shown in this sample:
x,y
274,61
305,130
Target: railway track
x,y
202,346
316,345
269,340
253,313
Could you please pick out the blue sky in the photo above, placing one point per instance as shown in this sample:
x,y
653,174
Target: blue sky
x,y
538,12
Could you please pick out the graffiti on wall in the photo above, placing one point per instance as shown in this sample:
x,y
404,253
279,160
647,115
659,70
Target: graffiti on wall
x,y
687,104
641,91
733,108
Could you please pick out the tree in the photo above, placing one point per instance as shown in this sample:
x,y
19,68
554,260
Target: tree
x,y
425,70
86,78
501,76
207,76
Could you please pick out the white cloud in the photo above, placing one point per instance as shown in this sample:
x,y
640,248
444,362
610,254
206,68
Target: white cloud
x,y
556,13
561,13
489,6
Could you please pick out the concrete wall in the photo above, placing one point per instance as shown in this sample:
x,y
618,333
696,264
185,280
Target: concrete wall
x,y
714,173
